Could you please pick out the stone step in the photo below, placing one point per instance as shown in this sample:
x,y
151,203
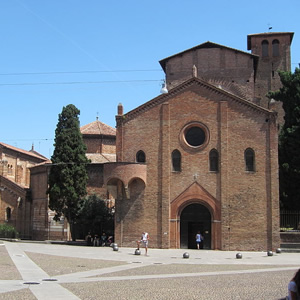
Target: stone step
x,y
290,250
290,247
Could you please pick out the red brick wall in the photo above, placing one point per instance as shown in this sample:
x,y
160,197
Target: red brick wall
x,y
243,196
267,77
221,66
100,144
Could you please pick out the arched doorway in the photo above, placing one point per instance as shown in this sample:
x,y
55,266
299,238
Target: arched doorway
x,y
195,217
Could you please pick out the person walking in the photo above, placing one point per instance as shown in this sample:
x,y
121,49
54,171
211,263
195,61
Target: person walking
x,y
145,240
198,239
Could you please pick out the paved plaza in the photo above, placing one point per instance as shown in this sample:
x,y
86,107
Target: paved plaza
x,y
49,271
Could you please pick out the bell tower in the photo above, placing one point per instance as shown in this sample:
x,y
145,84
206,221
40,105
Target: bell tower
x,y
273,50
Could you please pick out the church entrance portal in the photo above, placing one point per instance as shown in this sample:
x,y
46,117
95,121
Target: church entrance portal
x,y
194,218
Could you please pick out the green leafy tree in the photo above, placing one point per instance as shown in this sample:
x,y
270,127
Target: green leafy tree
x,y
95,215
68,174
289,139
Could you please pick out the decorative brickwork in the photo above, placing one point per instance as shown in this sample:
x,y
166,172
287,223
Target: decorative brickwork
x,y
234,197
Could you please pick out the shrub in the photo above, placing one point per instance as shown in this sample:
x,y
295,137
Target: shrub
x,y
8,231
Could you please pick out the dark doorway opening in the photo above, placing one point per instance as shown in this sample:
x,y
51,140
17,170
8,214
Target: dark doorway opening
x,y
194,218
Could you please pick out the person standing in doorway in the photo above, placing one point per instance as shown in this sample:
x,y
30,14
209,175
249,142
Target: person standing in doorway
x,y
198,239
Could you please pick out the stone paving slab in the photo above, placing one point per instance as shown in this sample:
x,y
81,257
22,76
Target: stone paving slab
x,y
218,287
60,265
24,294
8,270
164,274
155,269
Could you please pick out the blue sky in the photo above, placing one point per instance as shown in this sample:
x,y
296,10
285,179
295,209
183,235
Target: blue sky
x,y
96,54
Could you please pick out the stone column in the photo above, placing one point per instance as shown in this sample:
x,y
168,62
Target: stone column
x,y
164,173
222,229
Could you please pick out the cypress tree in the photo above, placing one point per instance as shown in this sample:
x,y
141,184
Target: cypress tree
x,y
68,174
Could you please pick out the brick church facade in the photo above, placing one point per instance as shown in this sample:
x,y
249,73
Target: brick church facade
x,y
202,157
205,153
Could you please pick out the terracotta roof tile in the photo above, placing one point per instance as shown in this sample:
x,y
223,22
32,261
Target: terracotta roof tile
x,y
30,153
97,127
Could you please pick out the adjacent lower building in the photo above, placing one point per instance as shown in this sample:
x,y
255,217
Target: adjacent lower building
x,y
15,192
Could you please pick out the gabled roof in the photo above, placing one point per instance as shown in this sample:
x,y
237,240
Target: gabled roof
x,y
206,45
97,128
186,85
5,181
31,153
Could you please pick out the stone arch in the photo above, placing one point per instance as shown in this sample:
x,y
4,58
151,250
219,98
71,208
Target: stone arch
x,y
136,187
129,205
116,187
195,217
195,194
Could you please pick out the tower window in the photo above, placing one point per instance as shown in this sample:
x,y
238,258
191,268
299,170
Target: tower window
x,y
214,160
176,161
250,160
140,156
275,48
265,48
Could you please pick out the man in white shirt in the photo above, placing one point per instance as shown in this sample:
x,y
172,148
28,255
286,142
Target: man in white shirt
x,y
144,240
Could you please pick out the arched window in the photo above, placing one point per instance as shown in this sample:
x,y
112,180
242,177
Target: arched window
x,y
275,48
140,156
8,213
176,161
250,160
214,160
265,48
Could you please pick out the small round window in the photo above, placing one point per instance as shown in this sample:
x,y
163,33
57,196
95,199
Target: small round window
x,y
194,136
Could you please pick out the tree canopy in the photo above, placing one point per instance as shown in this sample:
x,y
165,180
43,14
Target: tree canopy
x,y
95,215
289,139
68,174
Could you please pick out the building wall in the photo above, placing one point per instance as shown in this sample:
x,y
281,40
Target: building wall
x,y
95,181
100,144
43,225
219,65
16,167
267,77
39,185
17,200
242,196
14,187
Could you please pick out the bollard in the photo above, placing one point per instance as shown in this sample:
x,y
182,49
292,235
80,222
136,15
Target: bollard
x,y
278,250
270,253
239,255
137,252
186,255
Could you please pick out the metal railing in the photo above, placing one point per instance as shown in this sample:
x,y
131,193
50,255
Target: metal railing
x,y
289,220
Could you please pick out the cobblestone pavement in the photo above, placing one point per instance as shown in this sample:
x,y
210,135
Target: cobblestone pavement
x,y
48,271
